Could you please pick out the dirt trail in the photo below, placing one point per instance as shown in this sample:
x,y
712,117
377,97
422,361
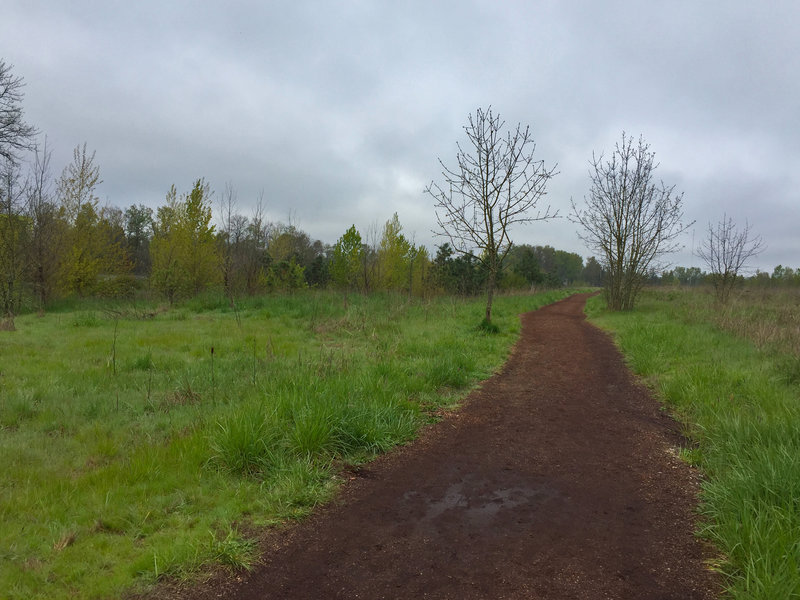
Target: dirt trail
x,y
557,479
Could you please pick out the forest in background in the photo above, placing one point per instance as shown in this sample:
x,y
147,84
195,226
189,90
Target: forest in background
x,y
57,241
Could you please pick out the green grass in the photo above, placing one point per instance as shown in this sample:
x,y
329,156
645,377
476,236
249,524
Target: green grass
x,y
742,415
130,453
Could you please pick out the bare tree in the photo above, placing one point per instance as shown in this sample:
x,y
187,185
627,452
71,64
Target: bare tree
x,y
726,251
15,134
47,229
496,184
228,236
629,220
13,237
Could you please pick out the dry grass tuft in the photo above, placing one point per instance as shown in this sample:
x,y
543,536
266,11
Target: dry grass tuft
x,y
65,541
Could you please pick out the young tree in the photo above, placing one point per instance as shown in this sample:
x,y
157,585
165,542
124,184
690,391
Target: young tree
x,y
48,229
495,185
229,237
345,265
94,240
15,134
138,233
593,273
394,255
726,251
183,251
77,184
629,220
419,280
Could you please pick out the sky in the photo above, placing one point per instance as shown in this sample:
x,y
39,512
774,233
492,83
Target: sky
x,y
336,113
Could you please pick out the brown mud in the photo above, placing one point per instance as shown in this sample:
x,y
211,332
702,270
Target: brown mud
x,y
558,478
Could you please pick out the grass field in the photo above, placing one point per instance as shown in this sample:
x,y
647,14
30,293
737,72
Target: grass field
x,y
732,376
139,442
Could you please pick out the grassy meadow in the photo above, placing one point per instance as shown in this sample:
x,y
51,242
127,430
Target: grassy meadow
x,y
139,441
731,374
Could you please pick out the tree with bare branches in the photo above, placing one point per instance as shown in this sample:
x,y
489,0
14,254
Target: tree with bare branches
x,y
629,220
15,134
496,184
726,252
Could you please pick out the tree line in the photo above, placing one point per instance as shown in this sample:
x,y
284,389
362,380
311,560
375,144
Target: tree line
x,y
56,240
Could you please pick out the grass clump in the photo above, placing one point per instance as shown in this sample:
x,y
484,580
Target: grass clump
x,y
741,414
124,440
487,326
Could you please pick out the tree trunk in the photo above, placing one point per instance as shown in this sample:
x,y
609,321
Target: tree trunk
x,y
490,296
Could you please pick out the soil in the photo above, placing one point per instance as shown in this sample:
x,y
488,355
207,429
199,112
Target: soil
x,y
557,478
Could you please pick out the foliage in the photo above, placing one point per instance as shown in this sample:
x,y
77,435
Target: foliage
x,y
463,275
48,230
138,233
14,234
346,259
395,254
184,251
285,275
94,241
593,273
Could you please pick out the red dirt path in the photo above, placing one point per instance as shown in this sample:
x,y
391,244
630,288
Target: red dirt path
x,y
557,479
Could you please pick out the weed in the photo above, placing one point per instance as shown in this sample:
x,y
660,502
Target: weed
x,y
232,551
244,443
486,326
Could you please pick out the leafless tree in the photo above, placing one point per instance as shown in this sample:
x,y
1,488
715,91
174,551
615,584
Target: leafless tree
x,y
15,134
229,230
47,230
628,219
13,237
726,251
255,258
496,184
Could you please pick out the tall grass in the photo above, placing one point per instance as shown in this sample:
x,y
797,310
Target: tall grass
x,y
742,415
127,456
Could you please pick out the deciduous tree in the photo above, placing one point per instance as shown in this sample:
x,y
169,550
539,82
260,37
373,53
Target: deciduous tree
x,y
183,251
138,233
345,265
496,184
15,134
95,238
14,232
726,252
628,219
48,229
395,254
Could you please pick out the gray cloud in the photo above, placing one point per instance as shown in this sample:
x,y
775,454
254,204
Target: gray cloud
x,y
337,112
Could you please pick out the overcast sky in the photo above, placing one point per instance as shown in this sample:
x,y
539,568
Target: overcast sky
x,y
338,111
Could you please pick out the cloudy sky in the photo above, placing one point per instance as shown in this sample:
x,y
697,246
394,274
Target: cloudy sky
x,y
338,111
